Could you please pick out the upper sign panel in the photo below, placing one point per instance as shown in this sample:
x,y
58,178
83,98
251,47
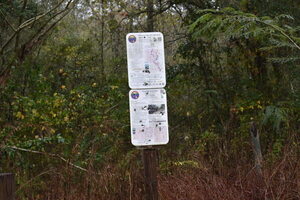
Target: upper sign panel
x,y
146,60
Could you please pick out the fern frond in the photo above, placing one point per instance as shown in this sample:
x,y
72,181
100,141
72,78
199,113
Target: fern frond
x,y
284,16
205,11
281,43
284,60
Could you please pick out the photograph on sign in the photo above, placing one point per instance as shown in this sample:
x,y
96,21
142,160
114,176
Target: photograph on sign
x,y
146,60
148,117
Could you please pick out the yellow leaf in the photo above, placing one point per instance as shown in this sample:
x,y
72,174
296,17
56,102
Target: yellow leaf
x,y
52,130
114,87
56,103
20,115
34,111
259,107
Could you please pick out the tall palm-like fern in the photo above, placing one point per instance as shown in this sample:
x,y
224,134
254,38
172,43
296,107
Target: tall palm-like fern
x,y
274,34
270,48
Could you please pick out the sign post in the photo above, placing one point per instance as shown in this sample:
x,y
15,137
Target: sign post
x,y
7,186
148,101
150,161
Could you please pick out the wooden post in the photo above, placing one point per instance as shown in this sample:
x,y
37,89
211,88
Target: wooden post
x,y
150,162
256,147
149,154
7,186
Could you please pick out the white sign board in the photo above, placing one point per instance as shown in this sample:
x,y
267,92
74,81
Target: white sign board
x,y
146,60
148,117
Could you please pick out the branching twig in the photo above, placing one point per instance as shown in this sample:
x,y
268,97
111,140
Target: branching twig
x,y
10,25
33,20
111,108
44,29
155,13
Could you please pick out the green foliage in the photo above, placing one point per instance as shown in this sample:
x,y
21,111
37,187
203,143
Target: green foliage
x,y
67,98
241,66
275,116
272,35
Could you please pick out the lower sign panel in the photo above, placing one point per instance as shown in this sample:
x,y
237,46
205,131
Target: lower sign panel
x,y
148,117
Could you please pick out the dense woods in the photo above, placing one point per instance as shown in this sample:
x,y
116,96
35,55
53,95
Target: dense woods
x,y
232,66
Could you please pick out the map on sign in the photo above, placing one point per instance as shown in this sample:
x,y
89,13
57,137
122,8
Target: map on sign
x,y
148,117
146,60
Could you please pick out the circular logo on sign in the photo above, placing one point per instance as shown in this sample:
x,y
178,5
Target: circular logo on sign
x,y
135,95
132,39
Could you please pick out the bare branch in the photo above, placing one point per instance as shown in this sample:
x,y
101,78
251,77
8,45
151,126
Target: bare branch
x,y
10,25
41,174
111,108
47,154
8,41
20,21
30,21
36,38
34,19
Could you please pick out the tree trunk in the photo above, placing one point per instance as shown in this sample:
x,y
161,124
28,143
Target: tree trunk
x,y
150,15
102,43
256,148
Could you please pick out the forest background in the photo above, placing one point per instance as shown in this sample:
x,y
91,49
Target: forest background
x,y
64,116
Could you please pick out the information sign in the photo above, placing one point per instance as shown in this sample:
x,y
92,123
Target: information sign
x,y
148,117
146,60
